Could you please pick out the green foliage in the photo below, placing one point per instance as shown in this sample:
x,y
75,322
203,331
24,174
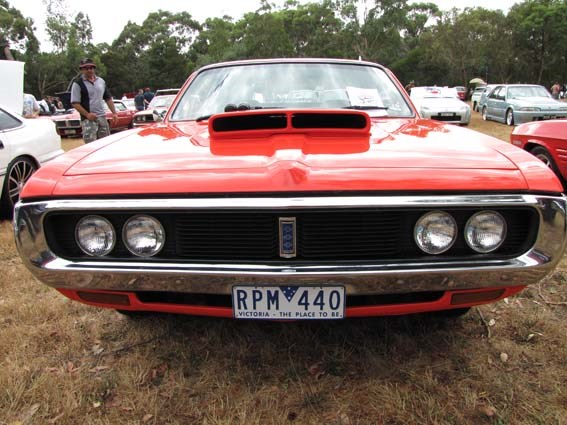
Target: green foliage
x,y
416,40
539,26
17,30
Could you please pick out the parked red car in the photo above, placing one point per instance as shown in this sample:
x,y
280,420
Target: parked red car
x,y
292,189
69,124
547,140
461,92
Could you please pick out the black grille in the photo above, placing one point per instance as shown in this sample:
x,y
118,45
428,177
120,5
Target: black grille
x,y
322,235
446,117
65,124
181,298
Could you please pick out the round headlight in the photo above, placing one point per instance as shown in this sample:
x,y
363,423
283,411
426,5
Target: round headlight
x,y
435,232
485,231
95,235
143,235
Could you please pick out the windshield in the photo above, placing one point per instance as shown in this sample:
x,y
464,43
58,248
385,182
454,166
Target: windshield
x,y
433,93
291,85
527,91
161,101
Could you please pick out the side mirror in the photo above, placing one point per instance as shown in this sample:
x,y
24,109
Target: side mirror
x,y
159,115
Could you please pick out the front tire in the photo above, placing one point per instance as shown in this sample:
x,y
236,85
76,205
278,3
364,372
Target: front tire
x,y
484,114
475,106
544,156
510,117
18,173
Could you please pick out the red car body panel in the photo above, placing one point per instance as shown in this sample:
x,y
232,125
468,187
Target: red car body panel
x,y
443,303
192,161
551,135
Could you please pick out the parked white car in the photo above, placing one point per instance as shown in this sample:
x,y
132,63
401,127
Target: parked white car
x,y
157,108
475,97
25,144
441,104
480,96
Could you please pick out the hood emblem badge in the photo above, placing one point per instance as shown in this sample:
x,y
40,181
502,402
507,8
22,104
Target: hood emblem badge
x,y
288,237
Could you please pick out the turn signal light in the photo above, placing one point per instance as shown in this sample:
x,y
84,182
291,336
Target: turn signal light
x,y
476,297
104,298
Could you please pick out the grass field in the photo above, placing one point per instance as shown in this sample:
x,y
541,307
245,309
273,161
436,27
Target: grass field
x,y
62,362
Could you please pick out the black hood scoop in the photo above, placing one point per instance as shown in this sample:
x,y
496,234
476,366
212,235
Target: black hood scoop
x,y
232,124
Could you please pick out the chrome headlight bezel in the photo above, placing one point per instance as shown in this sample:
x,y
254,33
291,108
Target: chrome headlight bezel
x,y
422,227
107,229
157,231
470,238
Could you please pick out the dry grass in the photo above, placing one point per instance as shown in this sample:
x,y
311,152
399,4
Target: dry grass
x,y
65,363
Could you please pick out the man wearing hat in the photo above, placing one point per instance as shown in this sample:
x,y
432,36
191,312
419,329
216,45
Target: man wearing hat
x,y
87,95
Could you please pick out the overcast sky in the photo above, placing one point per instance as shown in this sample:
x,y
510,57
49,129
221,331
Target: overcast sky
x,y
108,17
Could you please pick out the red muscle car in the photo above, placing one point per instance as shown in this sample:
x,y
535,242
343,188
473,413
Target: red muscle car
x,y
547,140
69,124
292,189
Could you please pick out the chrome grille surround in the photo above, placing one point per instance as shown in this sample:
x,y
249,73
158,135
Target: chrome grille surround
x,y
359,279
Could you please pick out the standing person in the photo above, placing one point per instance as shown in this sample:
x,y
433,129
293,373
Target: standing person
x,y
139,100
87,95
31,107
555,89
148,96
51,105
44,107
5,52
410,86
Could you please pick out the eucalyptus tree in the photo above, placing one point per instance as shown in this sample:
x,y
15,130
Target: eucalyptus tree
x,y
154,54
540,31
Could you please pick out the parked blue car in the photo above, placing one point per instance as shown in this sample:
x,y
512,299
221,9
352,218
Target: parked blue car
x,y
519,103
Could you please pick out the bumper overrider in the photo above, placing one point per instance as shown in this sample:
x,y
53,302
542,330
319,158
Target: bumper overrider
x,y
360,278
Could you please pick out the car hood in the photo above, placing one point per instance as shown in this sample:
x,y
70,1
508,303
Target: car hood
x,y
389,155
537,101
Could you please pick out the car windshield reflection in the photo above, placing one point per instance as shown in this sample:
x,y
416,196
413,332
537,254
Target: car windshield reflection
x,y
527,91
291,86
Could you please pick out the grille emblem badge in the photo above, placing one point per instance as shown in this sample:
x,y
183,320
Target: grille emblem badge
x,y
288,237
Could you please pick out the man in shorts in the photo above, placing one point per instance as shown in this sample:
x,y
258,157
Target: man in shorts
x,y
88,93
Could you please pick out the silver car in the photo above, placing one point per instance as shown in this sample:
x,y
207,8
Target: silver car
x,y
441,104
519,103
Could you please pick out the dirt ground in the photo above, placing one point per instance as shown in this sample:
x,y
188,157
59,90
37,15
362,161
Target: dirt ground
x,y
62,362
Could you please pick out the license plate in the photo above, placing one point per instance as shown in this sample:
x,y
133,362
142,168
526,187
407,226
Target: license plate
x,y
447,114
70,131
288,302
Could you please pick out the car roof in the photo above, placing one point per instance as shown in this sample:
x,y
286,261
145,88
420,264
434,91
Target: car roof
x,y
519,85
291,60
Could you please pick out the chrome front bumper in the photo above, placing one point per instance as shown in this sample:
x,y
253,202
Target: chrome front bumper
x,y
360,279
521,117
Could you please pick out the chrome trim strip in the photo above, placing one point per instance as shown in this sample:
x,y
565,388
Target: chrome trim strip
x,y
525,269
483,201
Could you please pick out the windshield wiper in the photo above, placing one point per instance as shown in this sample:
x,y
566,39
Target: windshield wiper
x,y
234,108
203,117
365,108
